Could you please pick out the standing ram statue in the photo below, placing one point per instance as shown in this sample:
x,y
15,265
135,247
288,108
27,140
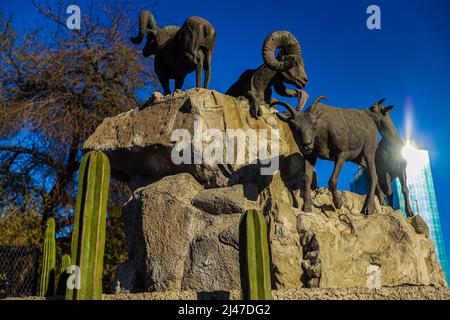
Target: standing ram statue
x,y
178,51
389,161
336,134
287,67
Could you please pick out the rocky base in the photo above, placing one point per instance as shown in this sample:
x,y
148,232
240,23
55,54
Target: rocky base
x,y
182,220
183,239
384,293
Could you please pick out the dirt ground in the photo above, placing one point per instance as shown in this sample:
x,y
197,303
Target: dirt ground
x,y
385,293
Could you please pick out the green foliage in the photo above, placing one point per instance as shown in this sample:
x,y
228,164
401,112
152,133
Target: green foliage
x,y
21,230
56,87
254,257
88,237
47,278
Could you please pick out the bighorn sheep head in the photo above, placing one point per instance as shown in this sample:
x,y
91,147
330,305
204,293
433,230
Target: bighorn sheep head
x,y
382,118
156,37
302,123
289,62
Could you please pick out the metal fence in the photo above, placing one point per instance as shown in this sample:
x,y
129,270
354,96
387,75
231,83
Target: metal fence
x,y
18,271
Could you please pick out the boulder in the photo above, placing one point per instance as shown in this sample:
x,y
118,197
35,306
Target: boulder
x,y
175,245
182,219
139,142
343,249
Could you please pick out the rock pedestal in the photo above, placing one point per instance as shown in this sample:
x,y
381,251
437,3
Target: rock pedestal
x,y
182,220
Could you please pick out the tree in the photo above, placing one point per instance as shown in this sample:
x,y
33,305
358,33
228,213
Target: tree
x,y
56,86
21,229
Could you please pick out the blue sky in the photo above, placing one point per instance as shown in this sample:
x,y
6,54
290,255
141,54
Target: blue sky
x,y
407,60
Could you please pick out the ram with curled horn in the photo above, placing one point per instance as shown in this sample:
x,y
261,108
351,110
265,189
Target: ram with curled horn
x,y
336,134
178,51
287,67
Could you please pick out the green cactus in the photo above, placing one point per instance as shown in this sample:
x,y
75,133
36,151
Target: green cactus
x,y
254,257
88,236
47,279
65,263
63,276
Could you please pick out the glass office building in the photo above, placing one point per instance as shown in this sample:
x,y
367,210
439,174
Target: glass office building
x,y
422,196
359,184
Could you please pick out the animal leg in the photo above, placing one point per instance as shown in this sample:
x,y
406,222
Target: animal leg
x,y
383,187
405,191
207,68
255,110
165,84
381,195
388,188
373,181
333,182
308,178
282,90
199,70
179,83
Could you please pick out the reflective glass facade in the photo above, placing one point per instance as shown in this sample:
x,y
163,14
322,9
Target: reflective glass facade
x,y
423,201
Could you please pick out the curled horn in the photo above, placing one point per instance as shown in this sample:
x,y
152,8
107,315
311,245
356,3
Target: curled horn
x,y
285,41
147,23
283,117
316,101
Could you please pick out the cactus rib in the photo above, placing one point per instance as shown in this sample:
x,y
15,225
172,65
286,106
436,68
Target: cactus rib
x,y
254,257
47,278
88,237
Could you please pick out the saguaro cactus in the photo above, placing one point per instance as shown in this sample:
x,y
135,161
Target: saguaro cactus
x,y
47,279
254,257
61,287
88,236
65,263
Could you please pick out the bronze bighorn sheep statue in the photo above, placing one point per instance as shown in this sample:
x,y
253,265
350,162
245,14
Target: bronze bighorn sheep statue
x,y
335,134
389,161
287,67
178,51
